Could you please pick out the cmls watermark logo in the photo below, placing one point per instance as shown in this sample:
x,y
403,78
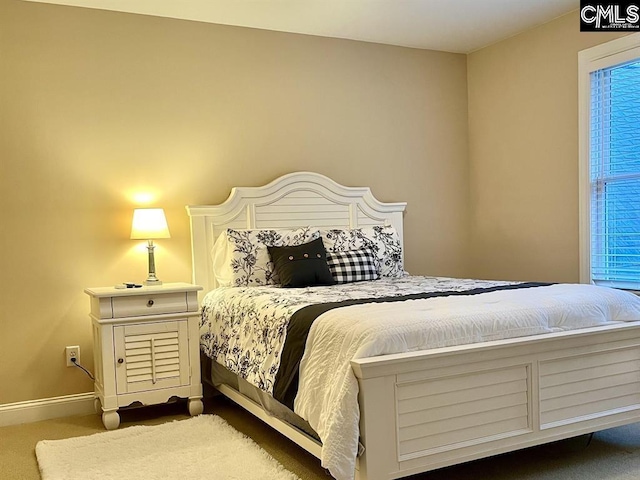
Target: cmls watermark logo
x,y
607,16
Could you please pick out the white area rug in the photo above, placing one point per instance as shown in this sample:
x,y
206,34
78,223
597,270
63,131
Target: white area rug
x,y
202,447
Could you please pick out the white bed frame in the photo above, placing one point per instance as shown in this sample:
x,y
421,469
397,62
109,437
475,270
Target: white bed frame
x,y
429,409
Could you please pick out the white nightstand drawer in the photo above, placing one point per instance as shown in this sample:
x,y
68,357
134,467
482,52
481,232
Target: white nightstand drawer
x,y
150,304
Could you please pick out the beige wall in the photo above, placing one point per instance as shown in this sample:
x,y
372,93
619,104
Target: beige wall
x,y
96,106
523,153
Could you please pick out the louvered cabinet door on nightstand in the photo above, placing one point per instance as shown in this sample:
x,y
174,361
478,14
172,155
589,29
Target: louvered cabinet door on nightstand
x,y
146,347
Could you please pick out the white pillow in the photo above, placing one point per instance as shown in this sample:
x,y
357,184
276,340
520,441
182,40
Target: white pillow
x,y
222,253
244,261
383,240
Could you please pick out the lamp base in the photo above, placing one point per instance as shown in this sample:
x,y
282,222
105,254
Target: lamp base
x,y
152,280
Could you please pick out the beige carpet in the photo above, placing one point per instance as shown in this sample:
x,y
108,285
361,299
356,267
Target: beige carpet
x,y
613,454
198,448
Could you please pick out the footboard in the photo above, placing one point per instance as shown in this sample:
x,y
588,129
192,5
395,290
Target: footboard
x,y
426,410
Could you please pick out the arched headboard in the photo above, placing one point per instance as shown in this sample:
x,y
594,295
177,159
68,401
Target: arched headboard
x,y
293,200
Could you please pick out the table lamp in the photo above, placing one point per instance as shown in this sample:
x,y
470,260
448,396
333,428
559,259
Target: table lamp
x,y
148,224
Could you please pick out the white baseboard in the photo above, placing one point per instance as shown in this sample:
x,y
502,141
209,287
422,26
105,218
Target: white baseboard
x,y
46,408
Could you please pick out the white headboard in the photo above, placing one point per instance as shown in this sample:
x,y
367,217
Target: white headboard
x,y
293,200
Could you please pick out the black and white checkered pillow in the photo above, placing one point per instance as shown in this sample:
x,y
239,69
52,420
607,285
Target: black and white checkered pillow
x,y
353,265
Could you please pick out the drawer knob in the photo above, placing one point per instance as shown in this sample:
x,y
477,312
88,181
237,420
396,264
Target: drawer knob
x,y
121,360
150,303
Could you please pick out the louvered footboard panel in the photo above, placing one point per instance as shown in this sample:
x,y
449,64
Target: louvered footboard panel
x,y
581,387
573,389
445,413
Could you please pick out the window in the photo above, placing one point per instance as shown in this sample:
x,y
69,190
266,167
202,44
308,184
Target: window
x,y
610,163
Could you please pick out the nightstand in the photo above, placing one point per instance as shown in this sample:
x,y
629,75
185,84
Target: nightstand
x,y
145,347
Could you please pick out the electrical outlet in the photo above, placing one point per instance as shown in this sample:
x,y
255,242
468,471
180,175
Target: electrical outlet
x,y
72,352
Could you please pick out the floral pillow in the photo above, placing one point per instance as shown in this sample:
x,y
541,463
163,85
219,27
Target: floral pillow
x,y
250,262
383,240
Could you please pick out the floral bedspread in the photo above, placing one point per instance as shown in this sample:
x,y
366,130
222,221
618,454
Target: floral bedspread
x,y
244,328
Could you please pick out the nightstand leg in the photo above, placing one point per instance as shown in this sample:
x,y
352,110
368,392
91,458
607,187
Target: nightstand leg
x,y
111,420
97,406
195,406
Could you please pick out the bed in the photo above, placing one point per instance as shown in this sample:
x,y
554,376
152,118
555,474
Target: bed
x,y
429,408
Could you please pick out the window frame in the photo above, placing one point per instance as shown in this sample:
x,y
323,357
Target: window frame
x,y
606,55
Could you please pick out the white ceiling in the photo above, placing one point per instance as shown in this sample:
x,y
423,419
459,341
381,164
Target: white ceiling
x,y
460,26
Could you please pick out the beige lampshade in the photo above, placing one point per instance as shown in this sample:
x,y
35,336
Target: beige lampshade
x,y
149,223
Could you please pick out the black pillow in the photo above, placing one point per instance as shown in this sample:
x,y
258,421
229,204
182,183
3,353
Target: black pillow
x,y
303,265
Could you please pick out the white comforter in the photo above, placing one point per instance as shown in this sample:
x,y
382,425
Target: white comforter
x,y
328,390
244,329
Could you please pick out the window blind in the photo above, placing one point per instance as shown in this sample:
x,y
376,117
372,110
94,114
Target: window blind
x,y
615,176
